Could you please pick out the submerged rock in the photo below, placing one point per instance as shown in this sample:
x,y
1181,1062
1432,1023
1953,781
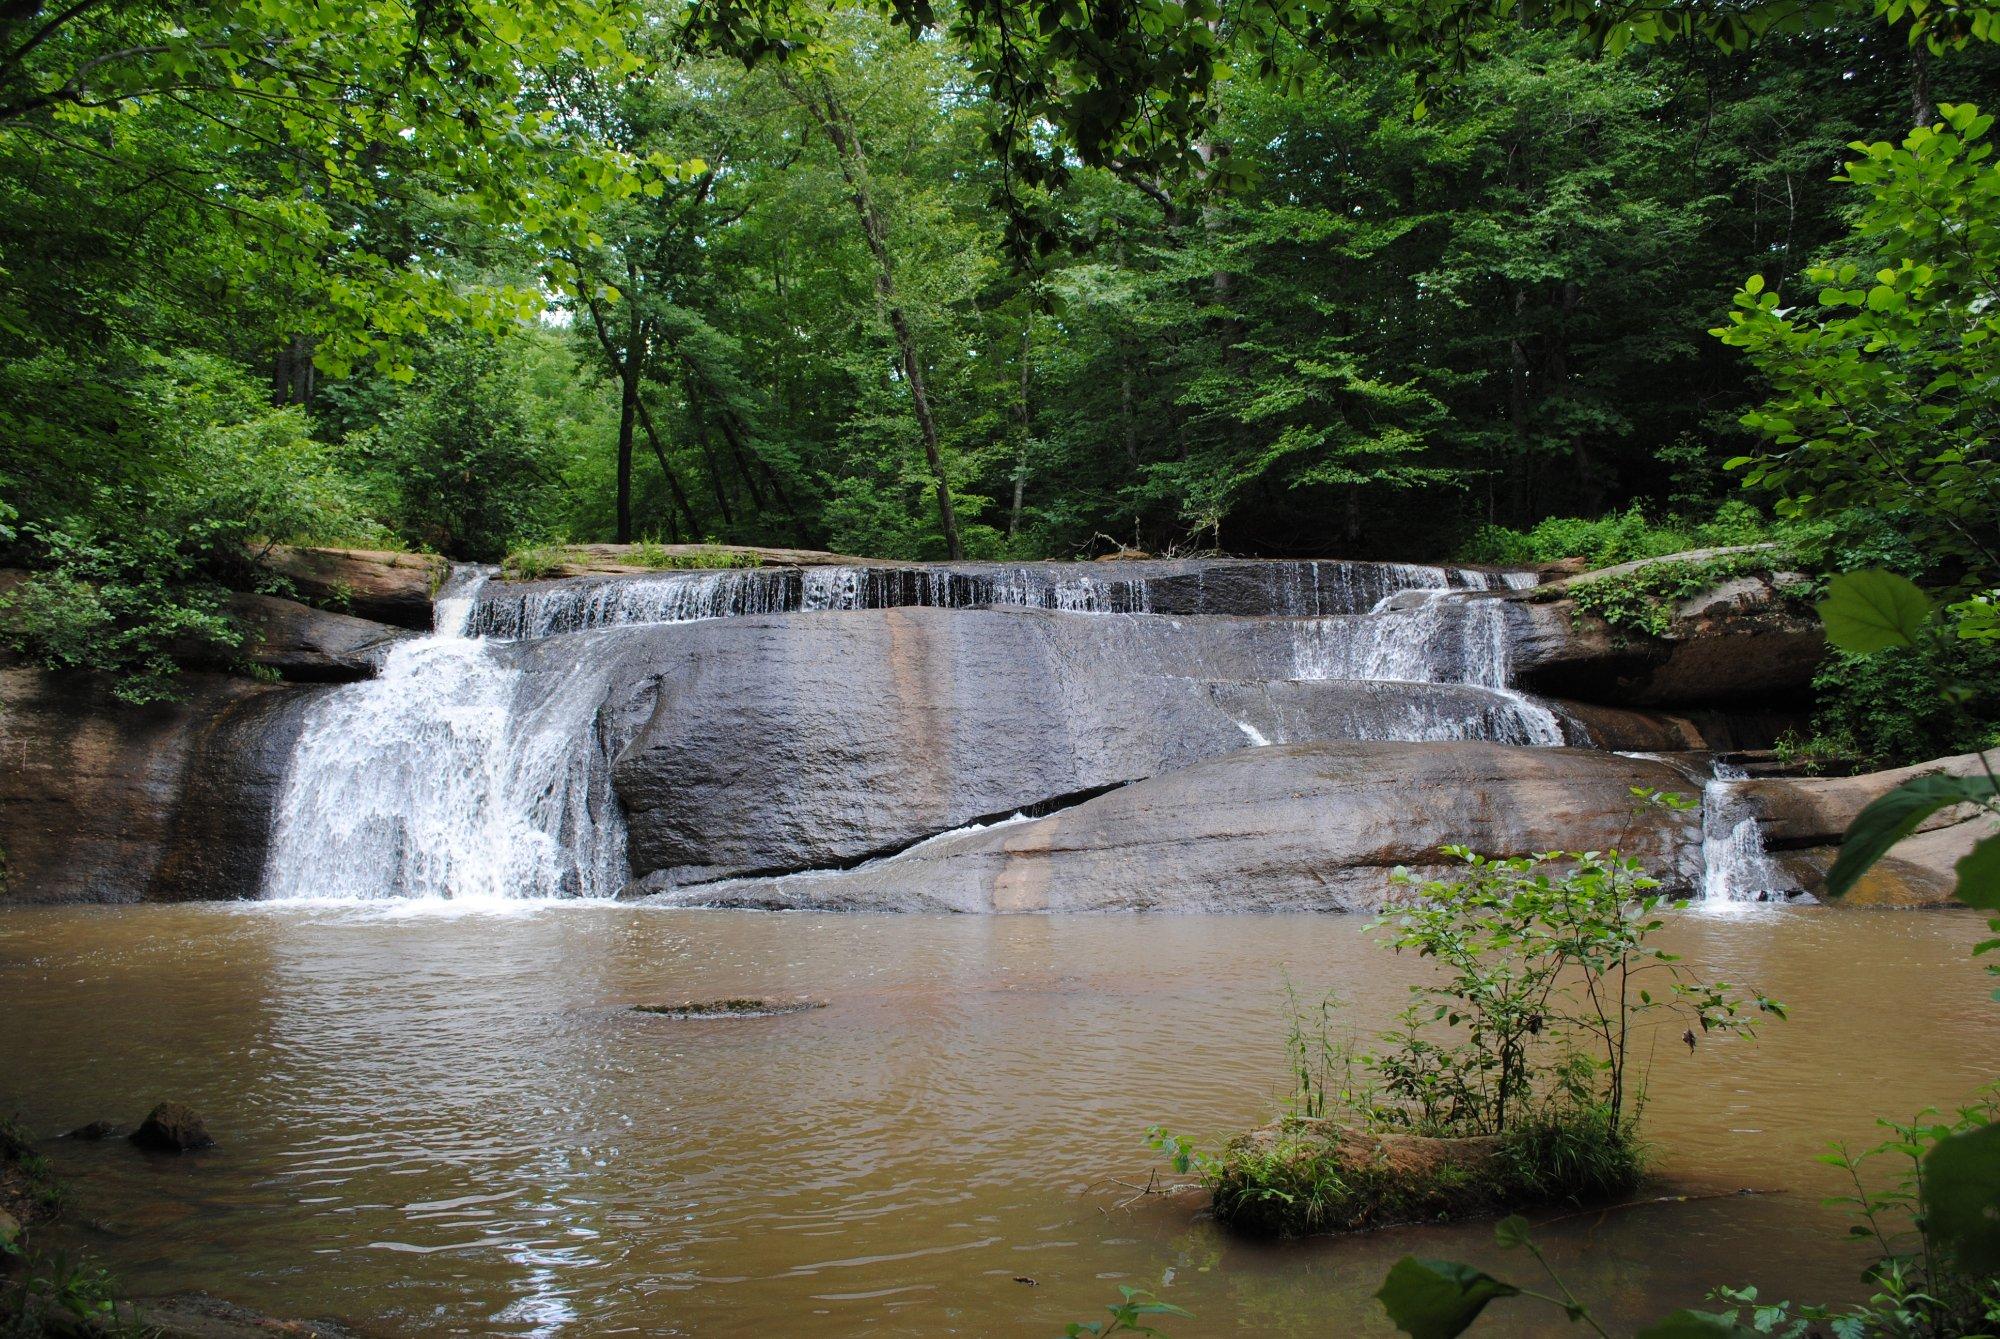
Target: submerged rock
x,y
197,1315
172,1127
1304,827
95,1131
732,1007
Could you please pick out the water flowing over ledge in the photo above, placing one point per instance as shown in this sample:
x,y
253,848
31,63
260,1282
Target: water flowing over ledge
x,y
1308,589
549,740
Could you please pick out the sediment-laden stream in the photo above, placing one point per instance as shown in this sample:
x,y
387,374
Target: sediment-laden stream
x,y
437,1118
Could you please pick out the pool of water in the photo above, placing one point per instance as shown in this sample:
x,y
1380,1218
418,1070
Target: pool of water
x,y
435,1119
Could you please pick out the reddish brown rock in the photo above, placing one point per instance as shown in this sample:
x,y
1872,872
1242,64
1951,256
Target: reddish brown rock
x,y
384,586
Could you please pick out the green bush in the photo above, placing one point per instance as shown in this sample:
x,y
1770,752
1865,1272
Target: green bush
x,y
1508,1082
1618,538
1905,705
1644,600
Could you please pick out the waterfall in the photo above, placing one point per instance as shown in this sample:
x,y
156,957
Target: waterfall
x,y
476,765
1429,636
461,771
1302,589
1735,866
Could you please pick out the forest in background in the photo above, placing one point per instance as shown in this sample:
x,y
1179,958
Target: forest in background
x,y
475,283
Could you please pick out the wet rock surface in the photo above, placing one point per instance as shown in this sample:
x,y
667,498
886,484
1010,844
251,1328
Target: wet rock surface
x,y
1803,819
102,801
172,1127
1286,828
309,645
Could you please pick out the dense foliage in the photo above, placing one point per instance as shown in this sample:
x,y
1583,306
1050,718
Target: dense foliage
x,y
483,281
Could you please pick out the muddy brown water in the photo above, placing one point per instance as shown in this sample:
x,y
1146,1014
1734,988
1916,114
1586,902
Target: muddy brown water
x,y
435,1120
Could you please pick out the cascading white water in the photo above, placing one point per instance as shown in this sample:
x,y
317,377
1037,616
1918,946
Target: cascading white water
x,y
458,772
1301,589
1735,865
476,765
1428,636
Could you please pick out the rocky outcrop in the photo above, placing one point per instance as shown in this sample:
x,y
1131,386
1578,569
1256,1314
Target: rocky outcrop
x,y
1299,827
803,741
386,587
309,645
1803,819
1743,641
101,801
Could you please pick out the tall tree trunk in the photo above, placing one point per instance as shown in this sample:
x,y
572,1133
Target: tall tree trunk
x,y
293,377
708,458
1024,420
832,117
627,368
1923,109
628,417
1517,388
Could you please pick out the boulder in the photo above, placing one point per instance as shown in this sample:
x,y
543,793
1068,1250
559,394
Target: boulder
x,y
95,1132
387,587
1304,827
172,1127
810,740
309,645
102,801
1804,818
1745,641
196,1315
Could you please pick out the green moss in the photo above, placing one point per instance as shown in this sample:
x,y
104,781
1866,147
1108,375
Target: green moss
x,y
1643,600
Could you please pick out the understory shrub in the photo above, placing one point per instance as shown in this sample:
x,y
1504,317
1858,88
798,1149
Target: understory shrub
x,y
1507,1081
1644,600
1617,538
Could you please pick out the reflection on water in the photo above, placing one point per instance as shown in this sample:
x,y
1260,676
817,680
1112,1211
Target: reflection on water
x,y
452,1124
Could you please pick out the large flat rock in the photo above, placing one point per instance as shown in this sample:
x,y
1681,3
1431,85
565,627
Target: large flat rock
x,y
1286,828
1804,818
385,586
101,801
806,740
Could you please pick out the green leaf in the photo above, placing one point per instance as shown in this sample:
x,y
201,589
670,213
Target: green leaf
x,y
1698,1325
1873,610
1895,816
1511,1231
1979,875
1962,1197
1437,1299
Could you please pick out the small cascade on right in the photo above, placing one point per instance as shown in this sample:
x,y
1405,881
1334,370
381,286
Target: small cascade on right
x,y
1735,865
